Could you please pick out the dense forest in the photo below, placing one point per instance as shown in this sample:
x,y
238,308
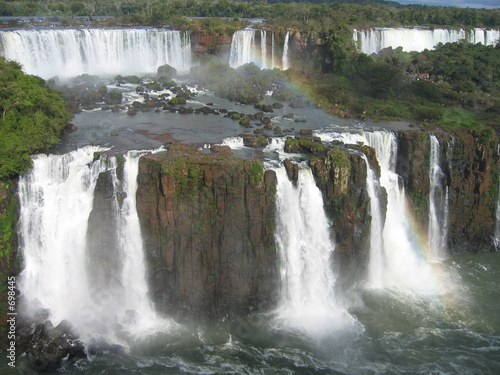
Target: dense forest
x,y
356,13
32,118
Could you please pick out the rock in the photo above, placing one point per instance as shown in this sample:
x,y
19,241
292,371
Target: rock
x,y
245,121
132,111
254,140
264,107
208,237
289,115
258,115
277,105
306,132
205,110
221,150
292,170
45,346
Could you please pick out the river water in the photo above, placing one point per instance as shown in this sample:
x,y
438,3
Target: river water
x,y
391,328
393,332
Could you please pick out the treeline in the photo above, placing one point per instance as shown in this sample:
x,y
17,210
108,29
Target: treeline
x,y
358,13
32,117
455,85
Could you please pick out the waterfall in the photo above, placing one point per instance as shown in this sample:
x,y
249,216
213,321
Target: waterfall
x,y
243,48
404,244
375,39
286,59
438,204
305,246
263,48
83,260
71,52
496,239
376,262
273,65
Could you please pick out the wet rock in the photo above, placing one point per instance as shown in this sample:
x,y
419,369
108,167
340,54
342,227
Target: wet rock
x,y
305,132
45,346
208,236
292,170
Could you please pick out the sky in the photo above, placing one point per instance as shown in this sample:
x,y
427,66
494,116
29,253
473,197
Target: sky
x,y
488,4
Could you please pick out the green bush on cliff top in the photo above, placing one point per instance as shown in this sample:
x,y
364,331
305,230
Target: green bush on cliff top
x,y
32,116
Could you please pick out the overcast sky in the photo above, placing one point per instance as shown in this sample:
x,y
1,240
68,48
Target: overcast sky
x,y
488,4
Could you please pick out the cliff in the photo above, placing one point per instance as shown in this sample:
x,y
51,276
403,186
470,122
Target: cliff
x,y
207,221
341,176
204,42
469,160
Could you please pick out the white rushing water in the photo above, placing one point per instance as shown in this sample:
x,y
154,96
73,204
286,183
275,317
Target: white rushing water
x,y
404,255
375,39
245,49
71,52
376,262
304,242
61,273
285,64
438,205
496,239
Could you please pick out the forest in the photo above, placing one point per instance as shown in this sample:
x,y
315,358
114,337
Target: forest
x,y
356,13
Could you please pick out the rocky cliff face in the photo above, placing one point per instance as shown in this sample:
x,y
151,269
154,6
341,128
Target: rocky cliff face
x,y
208,221
470,163
341,176
203,42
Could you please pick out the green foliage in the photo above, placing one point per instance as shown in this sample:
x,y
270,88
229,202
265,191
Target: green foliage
x,y
304,145
177,101
166,71
339,157
247,84
255,172
32,116
7,221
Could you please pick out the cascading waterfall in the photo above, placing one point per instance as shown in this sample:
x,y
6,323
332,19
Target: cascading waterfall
x,y
376,262
273,65
438,204
418,39
303,240
496,240
71,52
405,265
245,49
286,59
263,48
88,271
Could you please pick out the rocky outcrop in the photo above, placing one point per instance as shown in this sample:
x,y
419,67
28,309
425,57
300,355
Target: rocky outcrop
x,y
341,176
47,346
469,160
8,254
203,42
207,221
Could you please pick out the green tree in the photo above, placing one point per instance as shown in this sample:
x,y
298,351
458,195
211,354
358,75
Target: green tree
x,y
32,117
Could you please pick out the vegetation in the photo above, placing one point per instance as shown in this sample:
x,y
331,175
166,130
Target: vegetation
x,y
360,13
246,84
32,116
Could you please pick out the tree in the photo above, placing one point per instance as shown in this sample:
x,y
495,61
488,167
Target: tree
x,y
32,117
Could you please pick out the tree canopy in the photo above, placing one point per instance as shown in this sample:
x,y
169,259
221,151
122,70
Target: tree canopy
x,y
32,116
